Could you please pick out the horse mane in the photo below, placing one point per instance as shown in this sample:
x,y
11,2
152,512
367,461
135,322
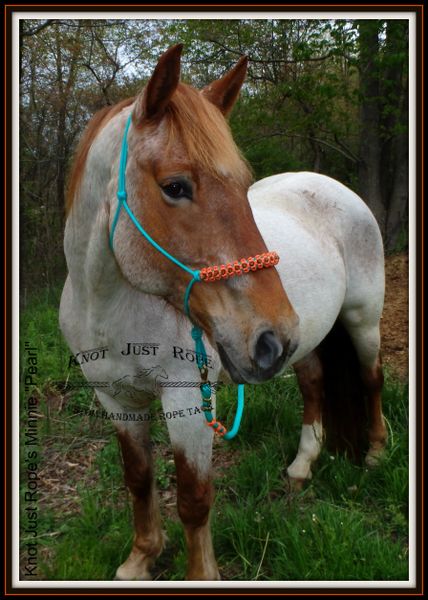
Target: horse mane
x,y
97,122
189,117
206,135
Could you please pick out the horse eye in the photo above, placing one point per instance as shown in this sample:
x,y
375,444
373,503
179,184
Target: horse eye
x,y
177,190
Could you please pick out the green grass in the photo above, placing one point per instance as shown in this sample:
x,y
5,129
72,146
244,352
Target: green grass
x,y
349,523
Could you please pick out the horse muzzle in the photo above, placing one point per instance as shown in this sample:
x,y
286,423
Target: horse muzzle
x,y
268,357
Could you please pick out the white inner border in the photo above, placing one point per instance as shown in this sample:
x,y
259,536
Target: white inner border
x,y
141,585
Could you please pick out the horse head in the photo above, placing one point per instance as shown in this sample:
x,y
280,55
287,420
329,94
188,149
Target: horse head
x,y
187,183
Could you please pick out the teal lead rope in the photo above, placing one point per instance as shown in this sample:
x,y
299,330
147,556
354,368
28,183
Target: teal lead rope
x,y
205,387
201,355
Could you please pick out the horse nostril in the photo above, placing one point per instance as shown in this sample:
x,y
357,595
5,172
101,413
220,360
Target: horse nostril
x,y
268,350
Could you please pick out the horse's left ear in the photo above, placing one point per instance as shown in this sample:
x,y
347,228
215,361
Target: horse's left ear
x,y
153,100
224,92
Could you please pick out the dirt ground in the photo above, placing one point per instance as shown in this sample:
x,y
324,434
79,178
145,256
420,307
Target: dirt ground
x,y
395,319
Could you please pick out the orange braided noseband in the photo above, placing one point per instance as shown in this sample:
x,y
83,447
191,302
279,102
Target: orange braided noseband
x,y
239,267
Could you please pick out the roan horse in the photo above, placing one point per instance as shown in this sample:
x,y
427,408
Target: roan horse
x,y
319,310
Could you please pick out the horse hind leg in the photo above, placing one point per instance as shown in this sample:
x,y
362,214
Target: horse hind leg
x,y
309,374
365,336
334,380
148,539
378,435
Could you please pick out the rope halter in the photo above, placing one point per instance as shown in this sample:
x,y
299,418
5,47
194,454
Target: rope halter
x,y
206,275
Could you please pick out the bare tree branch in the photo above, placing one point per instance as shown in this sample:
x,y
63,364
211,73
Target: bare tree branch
x,y
35,30
270,60
312,138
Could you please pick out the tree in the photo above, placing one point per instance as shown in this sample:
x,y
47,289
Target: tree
x,y
383,172
370,142
394,131
68,70
323,95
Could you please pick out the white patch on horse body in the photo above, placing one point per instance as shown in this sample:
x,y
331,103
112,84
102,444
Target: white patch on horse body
x,y
309,450
312,221
190,435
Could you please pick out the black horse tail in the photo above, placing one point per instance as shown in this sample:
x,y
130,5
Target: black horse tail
x,y
344,410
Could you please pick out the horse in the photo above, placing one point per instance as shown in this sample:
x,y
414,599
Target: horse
x,y
317,310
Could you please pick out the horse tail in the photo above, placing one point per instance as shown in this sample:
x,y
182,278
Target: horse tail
x,y
344,410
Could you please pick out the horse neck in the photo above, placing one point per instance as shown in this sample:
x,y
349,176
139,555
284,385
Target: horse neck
x,y
90,261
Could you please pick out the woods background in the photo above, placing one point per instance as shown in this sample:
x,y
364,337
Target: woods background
x,y
322,95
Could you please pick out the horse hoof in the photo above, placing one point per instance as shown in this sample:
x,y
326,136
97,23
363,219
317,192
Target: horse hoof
x,y
132,572
295,484
373,460
374,456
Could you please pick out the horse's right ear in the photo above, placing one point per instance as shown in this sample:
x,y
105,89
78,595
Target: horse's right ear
x,y
153,100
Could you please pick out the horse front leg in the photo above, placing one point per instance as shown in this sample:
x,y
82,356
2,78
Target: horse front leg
x,y
309,374
192,440
148,537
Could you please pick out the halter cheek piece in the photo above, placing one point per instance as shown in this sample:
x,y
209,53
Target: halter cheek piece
x,y
207,274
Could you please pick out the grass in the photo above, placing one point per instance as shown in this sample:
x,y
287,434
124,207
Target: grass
x,y
349,523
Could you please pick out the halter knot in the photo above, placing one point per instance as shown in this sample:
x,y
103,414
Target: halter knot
x,y
196,333
122,196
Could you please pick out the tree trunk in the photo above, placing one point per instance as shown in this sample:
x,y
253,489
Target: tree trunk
x,y
398,204
370,146
395,154
397,220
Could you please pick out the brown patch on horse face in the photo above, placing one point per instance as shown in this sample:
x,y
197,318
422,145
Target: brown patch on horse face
x,y
215,227
193,128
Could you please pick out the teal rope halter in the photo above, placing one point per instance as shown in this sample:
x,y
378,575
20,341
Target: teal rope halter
x,y
206,274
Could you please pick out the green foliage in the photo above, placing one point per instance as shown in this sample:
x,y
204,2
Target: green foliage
x,y
38,322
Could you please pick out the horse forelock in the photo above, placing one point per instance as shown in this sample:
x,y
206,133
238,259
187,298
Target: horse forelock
x,y
200,127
